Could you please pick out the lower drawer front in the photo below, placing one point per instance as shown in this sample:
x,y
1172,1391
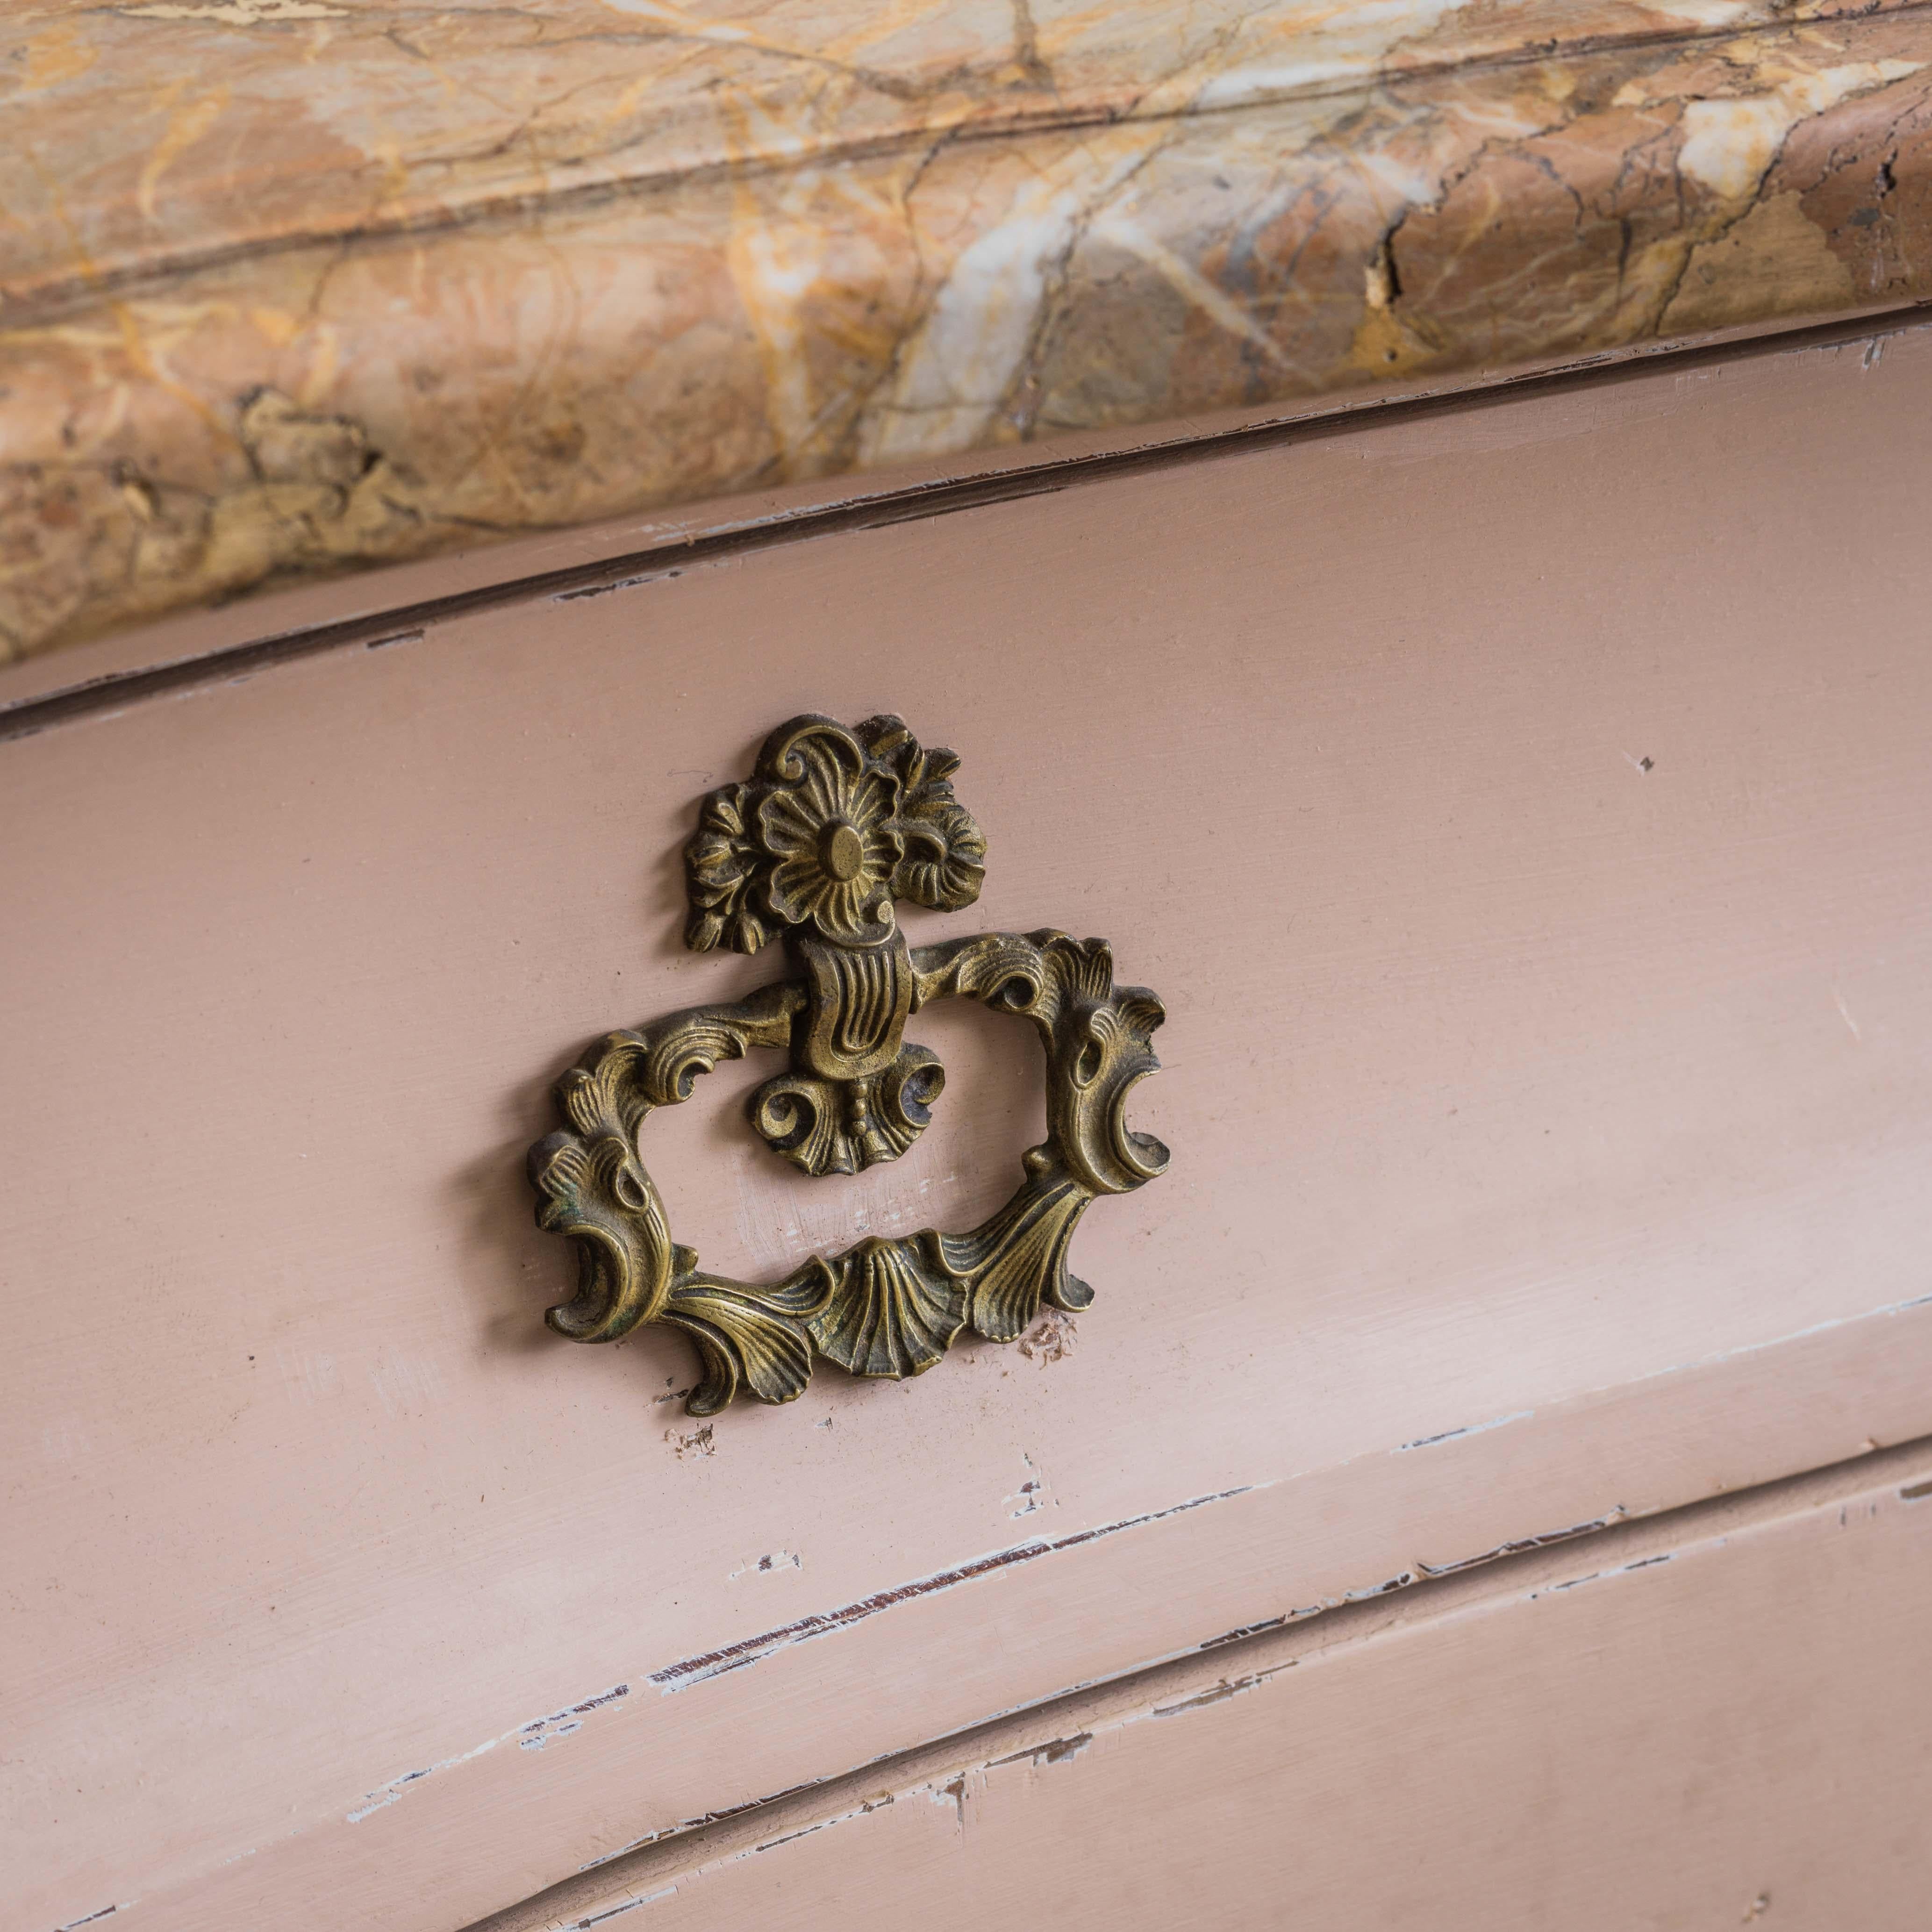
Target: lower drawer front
x,y
1520,809
1708,1720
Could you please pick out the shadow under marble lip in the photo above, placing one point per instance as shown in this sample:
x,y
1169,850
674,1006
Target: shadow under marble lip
x,y
709,253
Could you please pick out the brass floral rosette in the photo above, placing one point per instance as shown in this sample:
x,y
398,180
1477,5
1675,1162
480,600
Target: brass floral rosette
x,y
834,826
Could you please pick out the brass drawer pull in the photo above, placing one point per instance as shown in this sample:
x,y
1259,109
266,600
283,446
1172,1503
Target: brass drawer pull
x,y
833,826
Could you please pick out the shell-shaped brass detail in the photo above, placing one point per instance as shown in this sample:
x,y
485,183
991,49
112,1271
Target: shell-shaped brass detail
x,y
895,1310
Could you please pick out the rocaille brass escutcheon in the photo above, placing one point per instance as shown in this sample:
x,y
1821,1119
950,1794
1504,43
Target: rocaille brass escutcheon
x,y
832,826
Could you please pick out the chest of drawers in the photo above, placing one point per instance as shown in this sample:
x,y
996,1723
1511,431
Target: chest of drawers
x,y
1489,1483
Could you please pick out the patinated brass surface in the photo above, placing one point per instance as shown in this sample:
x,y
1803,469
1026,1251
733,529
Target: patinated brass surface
x,y
832,828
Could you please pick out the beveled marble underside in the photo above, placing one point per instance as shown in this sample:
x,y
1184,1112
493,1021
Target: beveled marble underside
x,y
288,287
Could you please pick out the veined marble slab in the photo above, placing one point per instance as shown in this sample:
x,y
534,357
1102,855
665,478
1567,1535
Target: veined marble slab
x,y
292,286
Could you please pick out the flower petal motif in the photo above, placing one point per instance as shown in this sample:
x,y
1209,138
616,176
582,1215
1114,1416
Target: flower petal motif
x,y
790,824
837,795
749,931
945,859
869,803
835,825
945,851
722,864
795,889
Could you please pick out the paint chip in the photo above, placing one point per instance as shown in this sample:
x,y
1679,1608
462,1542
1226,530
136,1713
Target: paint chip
x,y
768,1565
1055,1751
1031,1495
1472,1429
689,1670
1051,1338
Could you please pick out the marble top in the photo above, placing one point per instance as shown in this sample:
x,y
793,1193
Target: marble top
x,y
293,287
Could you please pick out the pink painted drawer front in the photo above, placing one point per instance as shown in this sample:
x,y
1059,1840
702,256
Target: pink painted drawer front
x,y
1710,1718
1520,809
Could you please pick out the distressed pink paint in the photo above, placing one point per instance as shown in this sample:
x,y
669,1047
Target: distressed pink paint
x,y
1708,1722
1550,1132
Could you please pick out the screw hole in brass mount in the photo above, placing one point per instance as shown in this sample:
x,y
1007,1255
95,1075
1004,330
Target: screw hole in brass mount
x,y
833,826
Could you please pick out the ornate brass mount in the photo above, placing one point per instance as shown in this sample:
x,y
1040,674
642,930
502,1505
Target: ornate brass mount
x,y
834,826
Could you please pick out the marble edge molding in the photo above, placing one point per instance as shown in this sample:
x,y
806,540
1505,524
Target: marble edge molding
x,y
106,239
400,603
319,408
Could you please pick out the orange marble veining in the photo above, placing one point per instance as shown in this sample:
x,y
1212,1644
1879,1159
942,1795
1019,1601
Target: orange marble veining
x,y
293,287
